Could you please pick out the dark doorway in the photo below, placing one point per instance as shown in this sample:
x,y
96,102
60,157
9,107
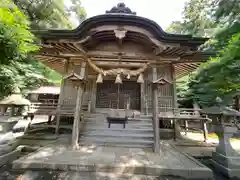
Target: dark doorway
x,y
118,96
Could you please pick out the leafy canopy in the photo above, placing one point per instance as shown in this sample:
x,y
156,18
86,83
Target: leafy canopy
x,y
16,43
220,20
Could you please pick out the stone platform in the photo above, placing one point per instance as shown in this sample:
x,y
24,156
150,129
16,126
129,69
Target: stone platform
x,y
170,162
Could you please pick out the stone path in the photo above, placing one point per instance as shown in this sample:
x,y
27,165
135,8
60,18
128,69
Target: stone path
x,y
59,175
116,160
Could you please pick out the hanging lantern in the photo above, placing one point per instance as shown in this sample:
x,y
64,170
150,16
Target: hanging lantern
x,y
140,79
99,78
128,76
118,79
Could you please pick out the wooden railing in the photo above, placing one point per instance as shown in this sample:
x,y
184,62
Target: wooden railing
x,y
48,101
176,115
51,108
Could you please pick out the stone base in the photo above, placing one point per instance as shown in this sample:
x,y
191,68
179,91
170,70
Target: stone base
x,y
231,173
121,161
229,166
9,157
232,162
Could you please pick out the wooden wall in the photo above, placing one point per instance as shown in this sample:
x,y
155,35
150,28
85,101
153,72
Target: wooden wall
x,y
165,92
70,92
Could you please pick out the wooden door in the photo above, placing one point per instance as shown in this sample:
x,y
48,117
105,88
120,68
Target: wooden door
x,y
118,96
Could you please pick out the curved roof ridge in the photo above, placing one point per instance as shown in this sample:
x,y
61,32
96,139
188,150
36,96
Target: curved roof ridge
x,y
119,17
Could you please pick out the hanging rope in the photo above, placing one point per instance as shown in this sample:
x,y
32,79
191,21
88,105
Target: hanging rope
x,y
115,72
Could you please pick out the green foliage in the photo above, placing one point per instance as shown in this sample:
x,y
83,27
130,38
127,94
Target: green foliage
x,y
226,11
51,13
16,41
77,9
196,19
220,76
176,27
16,44
17,67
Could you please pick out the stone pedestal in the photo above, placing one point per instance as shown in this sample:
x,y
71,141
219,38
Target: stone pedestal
x,y
226,159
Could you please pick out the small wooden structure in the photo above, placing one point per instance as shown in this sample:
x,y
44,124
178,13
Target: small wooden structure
x,y
128,62
44,94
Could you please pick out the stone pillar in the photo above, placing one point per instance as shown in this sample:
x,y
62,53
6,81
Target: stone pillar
x,y
226,160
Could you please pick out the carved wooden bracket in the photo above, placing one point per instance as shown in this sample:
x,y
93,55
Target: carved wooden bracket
x,y
162,81
75,79
120,34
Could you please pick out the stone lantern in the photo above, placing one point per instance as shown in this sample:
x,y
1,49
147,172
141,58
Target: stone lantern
x,y
225,159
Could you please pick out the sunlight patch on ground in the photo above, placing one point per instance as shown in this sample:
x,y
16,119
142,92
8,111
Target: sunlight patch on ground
x,y
211,138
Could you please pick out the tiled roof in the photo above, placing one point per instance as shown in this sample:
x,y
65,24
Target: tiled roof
x,y
46,90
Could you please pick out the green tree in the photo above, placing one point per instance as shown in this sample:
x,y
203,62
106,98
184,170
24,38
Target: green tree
x,y
197,19
220,75
16,43
51,13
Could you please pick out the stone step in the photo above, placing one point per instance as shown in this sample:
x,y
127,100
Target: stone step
x,y
124,176
97,119
116,140
120,129
91,123
116,126
116,143
117,134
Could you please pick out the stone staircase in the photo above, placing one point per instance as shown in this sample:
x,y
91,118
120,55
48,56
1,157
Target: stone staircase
x,y
137,133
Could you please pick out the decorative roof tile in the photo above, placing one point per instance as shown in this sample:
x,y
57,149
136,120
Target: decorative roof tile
x,y
121,8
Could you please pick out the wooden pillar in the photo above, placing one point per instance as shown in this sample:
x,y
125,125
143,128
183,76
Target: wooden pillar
x,y
93,96
75,131
186,126
155,112
205,130
174,89
177,127
142,97
80,92
60,99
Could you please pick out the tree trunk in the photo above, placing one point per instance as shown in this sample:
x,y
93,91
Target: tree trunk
x,y
237,103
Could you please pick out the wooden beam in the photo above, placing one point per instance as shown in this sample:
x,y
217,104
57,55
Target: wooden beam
x,y
86,38
68,47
